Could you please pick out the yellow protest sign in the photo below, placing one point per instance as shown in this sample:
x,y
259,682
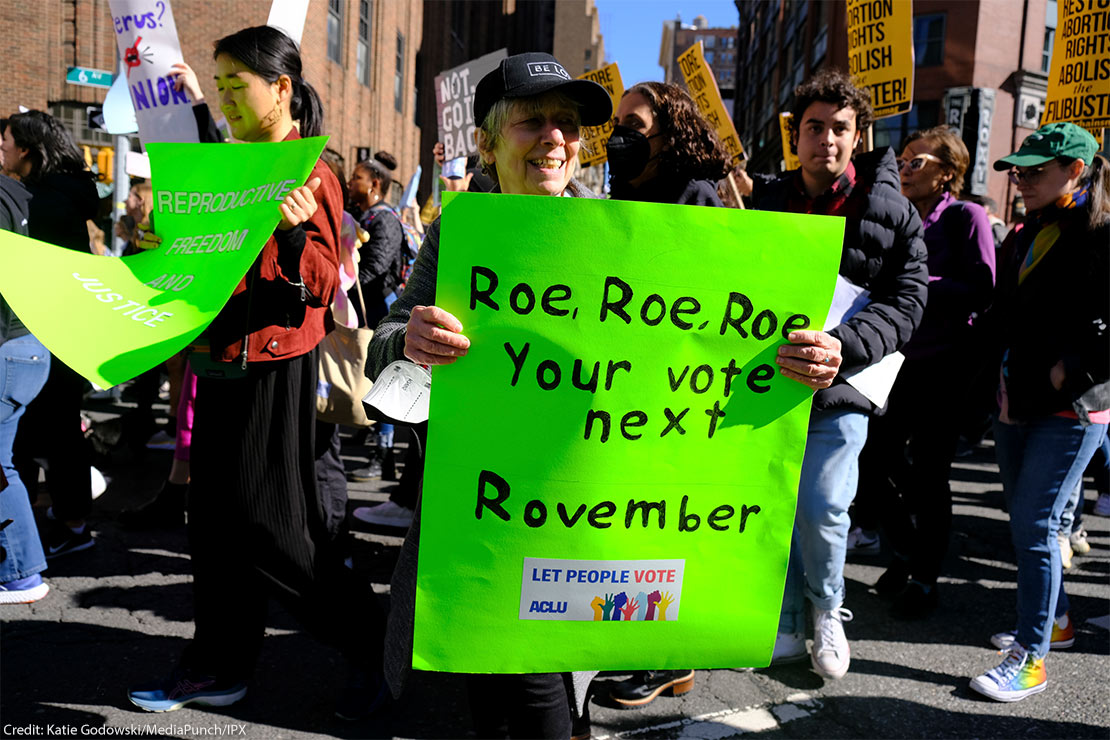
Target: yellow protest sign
x,y
1078,90
789,158
703,88
880,52
594,138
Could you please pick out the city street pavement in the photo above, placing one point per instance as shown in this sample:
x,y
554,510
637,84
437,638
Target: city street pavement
x,y
120,613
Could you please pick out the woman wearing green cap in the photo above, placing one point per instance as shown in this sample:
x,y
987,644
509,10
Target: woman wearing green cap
x,y
1050,318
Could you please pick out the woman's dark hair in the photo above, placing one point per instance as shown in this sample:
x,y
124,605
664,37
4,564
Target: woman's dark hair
x,y
331,158
269,53
387,159
950,149
691,149
829,86
380,168
49,146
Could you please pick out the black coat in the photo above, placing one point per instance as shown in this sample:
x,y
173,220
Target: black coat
x,y
884,252
667,190
14,205
1059,312
61,203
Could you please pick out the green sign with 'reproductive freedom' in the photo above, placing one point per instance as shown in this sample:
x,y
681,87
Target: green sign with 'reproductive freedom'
x,y
111,319
613,468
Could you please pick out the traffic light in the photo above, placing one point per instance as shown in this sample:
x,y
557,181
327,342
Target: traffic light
x,y
105,158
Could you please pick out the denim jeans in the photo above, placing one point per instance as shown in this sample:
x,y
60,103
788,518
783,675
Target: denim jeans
x,y
24,365
1071,518
1040,463
830,471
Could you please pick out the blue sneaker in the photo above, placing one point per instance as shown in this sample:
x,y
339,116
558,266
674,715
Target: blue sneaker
x,y
183,688
23,590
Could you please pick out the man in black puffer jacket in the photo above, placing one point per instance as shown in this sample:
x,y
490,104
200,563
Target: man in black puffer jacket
x,y
884,253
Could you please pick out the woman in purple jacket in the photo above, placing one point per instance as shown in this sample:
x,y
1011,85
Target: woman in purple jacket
x,y
904,467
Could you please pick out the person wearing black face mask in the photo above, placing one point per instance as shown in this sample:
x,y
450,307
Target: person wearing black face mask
x,y
662,150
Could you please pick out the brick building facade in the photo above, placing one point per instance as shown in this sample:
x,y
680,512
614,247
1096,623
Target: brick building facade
x,y
358,54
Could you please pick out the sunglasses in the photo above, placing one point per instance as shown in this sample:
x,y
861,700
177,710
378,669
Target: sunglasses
x,y
1030,175
916,163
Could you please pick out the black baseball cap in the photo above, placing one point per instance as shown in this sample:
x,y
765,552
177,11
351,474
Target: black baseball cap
x,y
534,73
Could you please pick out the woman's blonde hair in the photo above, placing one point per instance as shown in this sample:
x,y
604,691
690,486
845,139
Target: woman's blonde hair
x,y
488,134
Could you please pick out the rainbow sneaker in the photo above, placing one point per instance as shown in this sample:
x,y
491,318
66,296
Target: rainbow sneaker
x,y
1063,635
1018,676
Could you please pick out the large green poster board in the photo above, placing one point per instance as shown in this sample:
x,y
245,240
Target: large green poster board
x,y
612,469
110,319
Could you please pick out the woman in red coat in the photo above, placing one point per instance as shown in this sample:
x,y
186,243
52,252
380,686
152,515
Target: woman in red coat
x,y
256,521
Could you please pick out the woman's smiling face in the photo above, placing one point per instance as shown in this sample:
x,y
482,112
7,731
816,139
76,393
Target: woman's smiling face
x,y
538,146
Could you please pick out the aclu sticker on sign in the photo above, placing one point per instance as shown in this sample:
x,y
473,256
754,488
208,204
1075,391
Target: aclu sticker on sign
x,y
601,590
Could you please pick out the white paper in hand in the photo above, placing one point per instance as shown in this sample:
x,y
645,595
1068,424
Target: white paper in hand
x,y
402,392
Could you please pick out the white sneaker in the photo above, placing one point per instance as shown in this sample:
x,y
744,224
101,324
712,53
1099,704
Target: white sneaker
x,y
388,514
863,541
830,655
1079,542
1102,506
790,647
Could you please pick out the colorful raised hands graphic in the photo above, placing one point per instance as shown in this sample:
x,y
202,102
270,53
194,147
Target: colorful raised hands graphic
x,y
664,601
607,607
596,604
619,602
641,599
629,610
652,600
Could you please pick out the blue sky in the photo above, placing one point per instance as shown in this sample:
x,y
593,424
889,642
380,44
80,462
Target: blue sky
x,y
633,29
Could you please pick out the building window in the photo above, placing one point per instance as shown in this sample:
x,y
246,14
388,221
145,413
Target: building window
x,y
891,131
75,119
710,41
709,57
928,40
362,60
335,31
399,76
1049,35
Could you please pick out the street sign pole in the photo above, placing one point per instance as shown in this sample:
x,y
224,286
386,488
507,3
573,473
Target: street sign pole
x,y
121,184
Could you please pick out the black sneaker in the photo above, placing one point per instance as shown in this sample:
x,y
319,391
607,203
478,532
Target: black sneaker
x,y
165,511
185,687
364,693
58,539
644,686
914,602
893,580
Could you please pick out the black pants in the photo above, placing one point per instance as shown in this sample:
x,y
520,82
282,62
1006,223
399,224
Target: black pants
x,y
331,480
528,705
405,493
51,429
905,464
258,527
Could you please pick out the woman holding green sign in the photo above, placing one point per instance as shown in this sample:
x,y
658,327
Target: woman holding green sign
x,y
257,524
529,110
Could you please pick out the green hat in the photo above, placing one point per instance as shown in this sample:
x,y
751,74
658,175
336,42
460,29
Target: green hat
x,y
1049,142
